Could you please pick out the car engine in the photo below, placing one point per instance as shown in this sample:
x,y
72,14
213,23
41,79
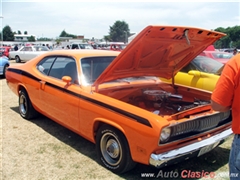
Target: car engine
x,y
164,103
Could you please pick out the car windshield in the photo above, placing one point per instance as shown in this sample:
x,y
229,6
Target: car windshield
x,y
222,55
94,66
207,65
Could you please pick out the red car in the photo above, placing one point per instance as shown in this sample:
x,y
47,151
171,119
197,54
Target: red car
x,y
5,50
222,57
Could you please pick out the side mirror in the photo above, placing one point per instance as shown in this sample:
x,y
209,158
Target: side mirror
x,y
194,73
67,79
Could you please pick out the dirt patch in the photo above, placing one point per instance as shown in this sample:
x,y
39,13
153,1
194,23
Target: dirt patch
x,y
42,150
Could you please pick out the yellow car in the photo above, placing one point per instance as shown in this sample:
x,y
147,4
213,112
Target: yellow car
x,y
202,73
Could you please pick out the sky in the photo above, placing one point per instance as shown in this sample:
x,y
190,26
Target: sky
x,y
48,18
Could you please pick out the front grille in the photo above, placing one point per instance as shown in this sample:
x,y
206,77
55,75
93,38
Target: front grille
x,y
199,124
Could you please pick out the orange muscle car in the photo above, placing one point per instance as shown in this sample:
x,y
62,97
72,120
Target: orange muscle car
x,y
117,101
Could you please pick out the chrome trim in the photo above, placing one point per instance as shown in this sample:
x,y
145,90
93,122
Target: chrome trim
x,y
158,159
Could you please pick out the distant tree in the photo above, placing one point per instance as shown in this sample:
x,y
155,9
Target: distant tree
x,y
8,34
25,32
31,39
44,39
107,38
231,40
19,32
63,34
119,32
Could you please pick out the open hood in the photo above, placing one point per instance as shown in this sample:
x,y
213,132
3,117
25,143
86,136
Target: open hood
x,y
159,51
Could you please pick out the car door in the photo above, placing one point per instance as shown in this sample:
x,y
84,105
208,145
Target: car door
x,y
21,53
59,100
30,53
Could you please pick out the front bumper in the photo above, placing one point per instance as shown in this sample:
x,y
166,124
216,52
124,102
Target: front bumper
x,y
186,152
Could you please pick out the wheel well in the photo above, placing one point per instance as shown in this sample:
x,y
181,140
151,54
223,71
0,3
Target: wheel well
x,y
20,88
99,124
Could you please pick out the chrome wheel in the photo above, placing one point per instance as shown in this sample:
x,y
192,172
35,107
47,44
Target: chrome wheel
x,y
23,104
111,149
25,107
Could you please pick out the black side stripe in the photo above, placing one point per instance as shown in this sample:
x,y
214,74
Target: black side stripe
x,y
24,73
137,118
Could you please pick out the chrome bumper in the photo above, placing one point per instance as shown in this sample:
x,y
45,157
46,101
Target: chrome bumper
x,y
198,148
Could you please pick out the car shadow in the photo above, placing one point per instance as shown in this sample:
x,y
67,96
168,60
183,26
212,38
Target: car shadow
x,y
209,162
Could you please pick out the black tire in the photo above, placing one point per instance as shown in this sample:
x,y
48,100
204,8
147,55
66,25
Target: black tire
x,y
113,150
17,59
26,110
4,70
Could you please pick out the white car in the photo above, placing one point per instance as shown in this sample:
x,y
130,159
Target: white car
x,y
80,46
27,53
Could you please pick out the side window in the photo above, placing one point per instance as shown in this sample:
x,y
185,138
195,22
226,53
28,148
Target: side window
x,y
74,46
93,67
64,66
45,65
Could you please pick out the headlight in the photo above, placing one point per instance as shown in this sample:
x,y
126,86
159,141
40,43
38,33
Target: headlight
x,y
165,134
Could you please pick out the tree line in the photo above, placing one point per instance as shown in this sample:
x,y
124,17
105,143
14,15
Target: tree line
x,y
119,32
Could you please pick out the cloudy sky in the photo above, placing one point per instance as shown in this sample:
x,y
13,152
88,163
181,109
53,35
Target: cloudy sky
x,y
93,18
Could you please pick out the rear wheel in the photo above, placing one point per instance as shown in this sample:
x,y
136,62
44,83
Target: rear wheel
x,y
113,150
26,109
17,59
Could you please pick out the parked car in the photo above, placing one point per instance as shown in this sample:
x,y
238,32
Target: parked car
x,y
116,100
4,64
26,53
222,57
202,72
81,46
5,50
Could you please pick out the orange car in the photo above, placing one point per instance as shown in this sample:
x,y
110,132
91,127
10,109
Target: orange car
x,y
117,101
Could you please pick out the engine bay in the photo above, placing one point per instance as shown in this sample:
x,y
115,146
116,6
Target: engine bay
x,y
161,100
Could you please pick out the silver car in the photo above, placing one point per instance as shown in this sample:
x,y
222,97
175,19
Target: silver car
x,y
26,53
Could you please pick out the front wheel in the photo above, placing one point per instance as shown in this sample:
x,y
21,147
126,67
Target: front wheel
x,y
26,109
113,150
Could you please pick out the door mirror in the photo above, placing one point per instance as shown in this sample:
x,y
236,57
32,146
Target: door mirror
x,y
67,79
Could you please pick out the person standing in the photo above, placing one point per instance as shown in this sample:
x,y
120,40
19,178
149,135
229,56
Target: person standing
x,y
15,47
226,96
235,51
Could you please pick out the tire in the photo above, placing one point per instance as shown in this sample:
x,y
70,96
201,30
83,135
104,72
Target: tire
x,y
4,70
113,150
26,110
17,59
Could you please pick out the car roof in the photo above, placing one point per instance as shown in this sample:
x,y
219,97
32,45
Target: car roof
x,y
82,52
